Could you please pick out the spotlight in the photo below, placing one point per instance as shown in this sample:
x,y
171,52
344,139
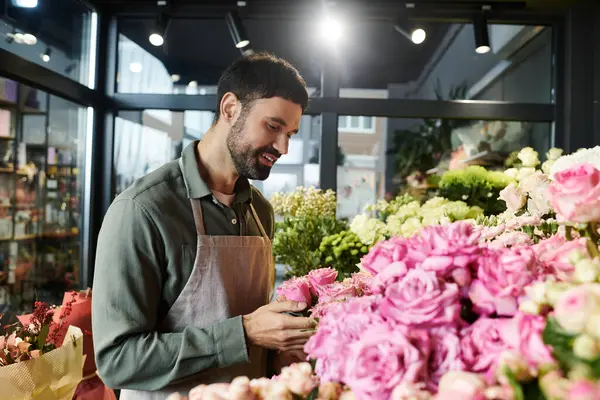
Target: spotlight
x,y
175,78
417,36
193,84
25,3
331,29
236,29
482,39
158,32
135,67
46,55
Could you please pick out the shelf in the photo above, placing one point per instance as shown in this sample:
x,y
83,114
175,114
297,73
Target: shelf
x,y
7,103
7,138
32,111
6,170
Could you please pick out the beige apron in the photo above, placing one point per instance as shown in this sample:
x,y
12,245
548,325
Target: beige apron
x,y
232,275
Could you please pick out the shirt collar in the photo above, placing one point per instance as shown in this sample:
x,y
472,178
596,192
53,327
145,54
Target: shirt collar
x,y
197,187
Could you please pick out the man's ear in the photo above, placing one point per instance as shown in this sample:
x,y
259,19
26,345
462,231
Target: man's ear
x,y
229,107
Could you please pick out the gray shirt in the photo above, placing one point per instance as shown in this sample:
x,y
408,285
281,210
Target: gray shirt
x,y
145,254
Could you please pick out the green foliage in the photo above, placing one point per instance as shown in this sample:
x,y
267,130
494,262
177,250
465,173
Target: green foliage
x,y
476,186
512,161
297,240
342,252
562,349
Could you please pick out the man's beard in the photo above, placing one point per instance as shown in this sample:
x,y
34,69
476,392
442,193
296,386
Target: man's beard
x,y
245,158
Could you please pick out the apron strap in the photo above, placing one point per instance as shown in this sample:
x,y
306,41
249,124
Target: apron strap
x,y
260,225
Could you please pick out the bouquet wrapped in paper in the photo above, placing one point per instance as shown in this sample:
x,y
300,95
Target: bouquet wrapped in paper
x,y
39,358
49,376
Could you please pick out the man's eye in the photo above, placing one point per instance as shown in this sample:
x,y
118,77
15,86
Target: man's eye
x,y
272,127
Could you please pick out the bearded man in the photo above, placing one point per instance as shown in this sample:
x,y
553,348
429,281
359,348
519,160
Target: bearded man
x,y
184,269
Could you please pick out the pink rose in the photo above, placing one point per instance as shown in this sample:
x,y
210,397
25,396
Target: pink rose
x,y
391,274
321,277
461,385
583,390
574,307
575,193
299,379
383,254
295,289
445,354
501,279
382,359
363,282
554,254
336,292
482,343
523,333
514,197
343,325
421,299
444,249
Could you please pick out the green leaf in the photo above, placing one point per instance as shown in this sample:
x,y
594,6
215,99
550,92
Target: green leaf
x,y
532,390
45,329
314,394
514,383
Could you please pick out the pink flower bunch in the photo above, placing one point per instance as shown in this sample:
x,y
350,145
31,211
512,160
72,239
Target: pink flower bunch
x,y
321,290
575,193
554,253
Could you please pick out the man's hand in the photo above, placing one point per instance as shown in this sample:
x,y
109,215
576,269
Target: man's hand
x,y
268,327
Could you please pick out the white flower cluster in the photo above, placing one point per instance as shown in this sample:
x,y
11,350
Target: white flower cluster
x,y
369,230
411,217
530,160
589,156
305,202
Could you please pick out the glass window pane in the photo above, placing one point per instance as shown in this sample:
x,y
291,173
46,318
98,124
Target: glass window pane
x,y
368,123
354,122
60,37
432,146
518,68
144,142
41,187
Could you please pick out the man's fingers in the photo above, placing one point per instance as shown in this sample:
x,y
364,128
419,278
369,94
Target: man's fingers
x,y
286,306
290,322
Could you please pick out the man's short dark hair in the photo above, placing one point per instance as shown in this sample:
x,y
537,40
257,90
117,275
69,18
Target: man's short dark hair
x,y
262,76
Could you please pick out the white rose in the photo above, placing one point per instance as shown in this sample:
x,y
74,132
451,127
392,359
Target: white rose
x,y
586,270
585,347
547,166
529,157
525,172
512,172
554,154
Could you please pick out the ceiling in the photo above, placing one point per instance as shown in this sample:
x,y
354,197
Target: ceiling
x,y
199,47
371,54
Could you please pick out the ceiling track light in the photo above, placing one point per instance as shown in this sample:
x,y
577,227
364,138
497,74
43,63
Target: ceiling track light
x,y
46,55
236,29
482,38
159,31
417,34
